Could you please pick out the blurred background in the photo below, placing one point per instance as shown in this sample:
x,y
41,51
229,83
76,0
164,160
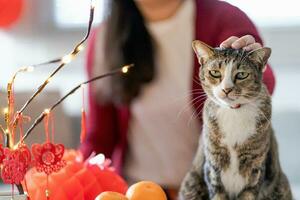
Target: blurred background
x,y
48,29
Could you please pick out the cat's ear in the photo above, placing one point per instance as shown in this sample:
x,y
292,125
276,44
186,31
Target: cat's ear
x,y
203,51
260,56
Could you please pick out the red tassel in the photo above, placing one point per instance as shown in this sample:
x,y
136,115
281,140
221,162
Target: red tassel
x,y
83,119
46,124
83,126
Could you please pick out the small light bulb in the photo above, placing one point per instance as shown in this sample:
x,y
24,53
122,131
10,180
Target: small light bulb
x,y
93,3
49,79
47,192
67,59
80,47
5,110
6,131
47,111
30,69
125,69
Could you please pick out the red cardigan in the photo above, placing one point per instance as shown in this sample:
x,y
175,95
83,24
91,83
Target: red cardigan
x,y
108,124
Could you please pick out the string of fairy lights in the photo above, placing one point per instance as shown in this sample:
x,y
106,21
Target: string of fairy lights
x,y
12,117
46,112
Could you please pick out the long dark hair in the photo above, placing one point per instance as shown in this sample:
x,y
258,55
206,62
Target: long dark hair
x,y
128,41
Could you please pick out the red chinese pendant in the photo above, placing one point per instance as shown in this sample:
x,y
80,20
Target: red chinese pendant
x,y
15,164
48,157
2,156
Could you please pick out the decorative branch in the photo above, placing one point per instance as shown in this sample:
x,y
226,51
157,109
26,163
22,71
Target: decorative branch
x,y
2,130
40,118
12,118
64,60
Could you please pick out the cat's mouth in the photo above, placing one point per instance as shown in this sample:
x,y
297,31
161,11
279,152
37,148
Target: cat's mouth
x,y
229,102
235,106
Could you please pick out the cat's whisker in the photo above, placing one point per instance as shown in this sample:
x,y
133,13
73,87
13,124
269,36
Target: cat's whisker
x,y
200,112
261,112
189,92
191,104
197,81
249,96
266,118
189,95
195,112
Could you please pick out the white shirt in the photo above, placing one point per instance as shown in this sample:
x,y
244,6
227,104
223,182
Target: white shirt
x,y
163,132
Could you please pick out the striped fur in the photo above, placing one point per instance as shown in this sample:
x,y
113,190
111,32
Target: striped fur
x,y
238,155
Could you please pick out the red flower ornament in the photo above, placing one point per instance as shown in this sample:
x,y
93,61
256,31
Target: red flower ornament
x,y
78,180
15,164
48,157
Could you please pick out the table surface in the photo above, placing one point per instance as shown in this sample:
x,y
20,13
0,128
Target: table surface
x,y
295,189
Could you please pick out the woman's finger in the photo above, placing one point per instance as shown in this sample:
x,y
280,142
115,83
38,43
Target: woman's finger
x,y
243,42
227,43
253,46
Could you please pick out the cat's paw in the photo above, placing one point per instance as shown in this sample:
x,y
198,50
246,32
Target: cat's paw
x,y
219,196
247,196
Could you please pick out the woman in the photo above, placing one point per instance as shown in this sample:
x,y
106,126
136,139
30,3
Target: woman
x,y
145,121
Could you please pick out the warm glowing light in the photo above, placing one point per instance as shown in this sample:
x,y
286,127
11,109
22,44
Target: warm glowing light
x,y
47,192
125,69
49,79
30,69
47,111
93,3
5,110
67,59
6,131
80,47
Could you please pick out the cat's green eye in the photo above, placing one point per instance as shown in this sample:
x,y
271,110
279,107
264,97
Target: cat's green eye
x,y
241,75
215,73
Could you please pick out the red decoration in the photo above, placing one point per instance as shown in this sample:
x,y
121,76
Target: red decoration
x,y
1,154
83,126
83,119
78,180
15,164
48,157
10,11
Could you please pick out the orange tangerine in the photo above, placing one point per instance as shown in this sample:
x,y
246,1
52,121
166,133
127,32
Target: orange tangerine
x,y
111,196
145,190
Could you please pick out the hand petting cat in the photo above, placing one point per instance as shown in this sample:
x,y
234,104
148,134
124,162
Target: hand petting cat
x,y
246,42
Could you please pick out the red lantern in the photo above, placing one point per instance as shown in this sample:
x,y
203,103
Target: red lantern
x,y
10,11
78,180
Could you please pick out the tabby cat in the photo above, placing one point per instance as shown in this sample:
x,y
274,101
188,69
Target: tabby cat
x,y
238,155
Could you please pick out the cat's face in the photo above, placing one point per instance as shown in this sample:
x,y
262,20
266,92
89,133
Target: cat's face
x,y
231,78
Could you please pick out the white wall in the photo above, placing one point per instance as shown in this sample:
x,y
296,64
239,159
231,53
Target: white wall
x,y
285,61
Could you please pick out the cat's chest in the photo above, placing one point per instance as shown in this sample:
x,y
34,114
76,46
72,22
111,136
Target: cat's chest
x,y
236,127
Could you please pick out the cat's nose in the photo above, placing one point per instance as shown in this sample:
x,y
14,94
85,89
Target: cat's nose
x,y
227,90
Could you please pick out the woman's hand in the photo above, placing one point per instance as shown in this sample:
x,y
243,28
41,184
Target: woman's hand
x,y
246,42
